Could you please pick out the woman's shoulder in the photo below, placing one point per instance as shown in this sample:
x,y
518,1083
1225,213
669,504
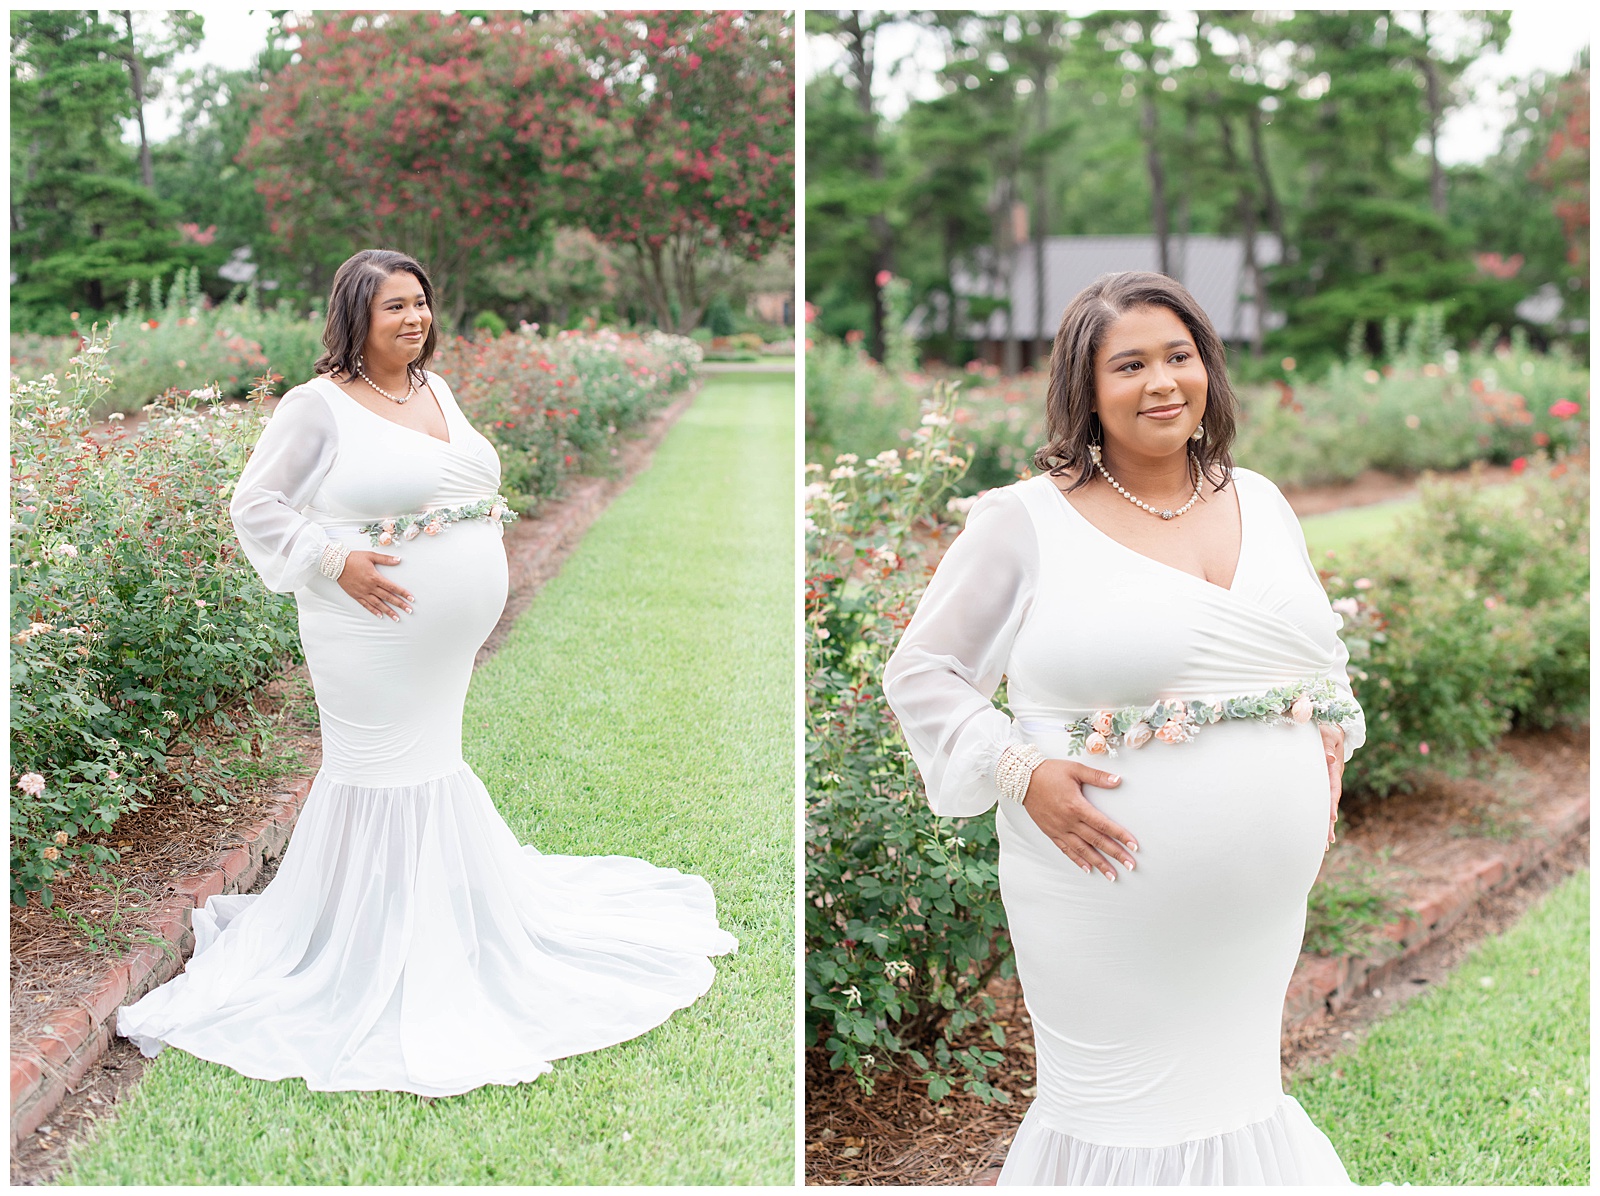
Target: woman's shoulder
x,y
1249,481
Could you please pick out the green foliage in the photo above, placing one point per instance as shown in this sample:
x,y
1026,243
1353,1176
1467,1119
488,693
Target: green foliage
x,y
903,919
83,227
489,322
133,615
719,318
555,406
1346,908
180,340
1473,616
1311,128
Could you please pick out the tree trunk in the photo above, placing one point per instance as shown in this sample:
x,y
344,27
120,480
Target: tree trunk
x,y
1041,225
880,259
1430,73
1247,227
136,67
1269,194
1149,126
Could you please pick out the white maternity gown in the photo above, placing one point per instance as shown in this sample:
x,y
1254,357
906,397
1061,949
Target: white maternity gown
x,y
408,942
1156,1000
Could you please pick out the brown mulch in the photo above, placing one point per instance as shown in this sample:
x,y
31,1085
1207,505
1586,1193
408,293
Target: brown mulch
x,y
53,963
895,1136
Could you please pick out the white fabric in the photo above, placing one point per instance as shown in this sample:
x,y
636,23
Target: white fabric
x,y
408,942
1156,1000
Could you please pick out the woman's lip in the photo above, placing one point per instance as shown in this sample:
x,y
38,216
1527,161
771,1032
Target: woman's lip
x,y
1163,412
411,336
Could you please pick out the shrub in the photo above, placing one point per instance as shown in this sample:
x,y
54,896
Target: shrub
x,y
903,919
132,612
554,406
1471,617
181,341
489,322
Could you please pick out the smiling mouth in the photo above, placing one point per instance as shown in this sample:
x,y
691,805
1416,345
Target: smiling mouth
x,y
1166,412
411,336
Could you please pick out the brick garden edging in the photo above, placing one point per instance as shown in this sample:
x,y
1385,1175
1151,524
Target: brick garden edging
x,y
45,1067
1324,984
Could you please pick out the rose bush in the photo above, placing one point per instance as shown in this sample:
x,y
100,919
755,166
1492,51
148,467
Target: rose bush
x,y
554,406
132,612
181,340
1471,618
903,920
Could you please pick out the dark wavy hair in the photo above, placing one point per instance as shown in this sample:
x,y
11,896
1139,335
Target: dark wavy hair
x,y
1070,420
350,311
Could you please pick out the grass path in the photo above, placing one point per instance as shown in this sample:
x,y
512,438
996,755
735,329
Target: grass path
x,y
1341,529
1484,1080
643,705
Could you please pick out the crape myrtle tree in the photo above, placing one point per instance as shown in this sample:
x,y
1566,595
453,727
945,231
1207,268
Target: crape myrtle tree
x,y
696,176
453,137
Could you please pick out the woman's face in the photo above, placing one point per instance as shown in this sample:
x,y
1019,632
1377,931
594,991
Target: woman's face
x,y
399,319
1150,385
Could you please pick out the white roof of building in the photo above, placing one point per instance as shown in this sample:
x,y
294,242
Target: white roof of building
x,y
1211,267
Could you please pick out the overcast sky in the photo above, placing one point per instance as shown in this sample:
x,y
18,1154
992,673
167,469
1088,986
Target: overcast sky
x,y
1546,38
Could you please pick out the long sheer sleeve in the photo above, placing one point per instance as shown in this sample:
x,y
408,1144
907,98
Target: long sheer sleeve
x,y
289,462
941,680
1355,730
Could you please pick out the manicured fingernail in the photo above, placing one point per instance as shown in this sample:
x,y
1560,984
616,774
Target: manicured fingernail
x,y
1086,869
1113,778
1112,877
1128,864
1132,846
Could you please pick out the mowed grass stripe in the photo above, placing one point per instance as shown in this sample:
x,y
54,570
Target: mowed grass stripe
x,y
642,706
1482,1081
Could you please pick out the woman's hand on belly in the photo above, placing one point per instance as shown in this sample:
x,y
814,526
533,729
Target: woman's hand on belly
x,y
362,581
1056,802
1333,751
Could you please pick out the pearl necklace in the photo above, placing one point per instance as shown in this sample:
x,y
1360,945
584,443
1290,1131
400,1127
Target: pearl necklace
x,y
406,398
1094,455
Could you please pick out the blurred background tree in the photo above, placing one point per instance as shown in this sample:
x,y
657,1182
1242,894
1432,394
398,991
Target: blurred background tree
x,y
1320,131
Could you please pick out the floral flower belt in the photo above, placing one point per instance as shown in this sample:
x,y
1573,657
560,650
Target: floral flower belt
x,y
1178,721
431,523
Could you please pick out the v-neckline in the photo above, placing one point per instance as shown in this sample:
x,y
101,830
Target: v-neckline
x,y
1238,565
439,403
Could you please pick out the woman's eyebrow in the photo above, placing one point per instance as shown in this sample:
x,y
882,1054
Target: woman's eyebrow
x,y
1140,352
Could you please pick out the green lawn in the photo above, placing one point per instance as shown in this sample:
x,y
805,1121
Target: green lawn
x,y
1486,1079
1338,530
644,705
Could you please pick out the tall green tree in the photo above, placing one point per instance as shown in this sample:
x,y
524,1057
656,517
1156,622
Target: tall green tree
x,y
83,225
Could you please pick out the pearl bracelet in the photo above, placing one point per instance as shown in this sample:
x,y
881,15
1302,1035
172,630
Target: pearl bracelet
x,y
333,558
1015,770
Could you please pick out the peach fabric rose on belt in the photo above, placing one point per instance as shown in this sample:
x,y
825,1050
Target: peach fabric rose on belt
x,y
1102,722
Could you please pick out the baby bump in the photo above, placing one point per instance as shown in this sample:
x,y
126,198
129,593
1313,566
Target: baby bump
x,y
391,690
1231,829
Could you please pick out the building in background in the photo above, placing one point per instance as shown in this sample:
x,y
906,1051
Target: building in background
x,y
1214,268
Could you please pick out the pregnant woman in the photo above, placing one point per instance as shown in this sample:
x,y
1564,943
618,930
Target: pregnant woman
x,y
408,942
1144,600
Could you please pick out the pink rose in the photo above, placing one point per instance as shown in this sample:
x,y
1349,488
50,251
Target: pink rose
x,y
1102,721
1347,606
1096,744
31,783
496,511
388,525
385,538
433,528
1138,735
1423,748
1172,731
411,532
1301,710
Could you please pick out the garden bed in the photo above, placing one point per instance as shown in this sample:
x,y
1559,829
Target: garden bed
x,y
175,852
1456,851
